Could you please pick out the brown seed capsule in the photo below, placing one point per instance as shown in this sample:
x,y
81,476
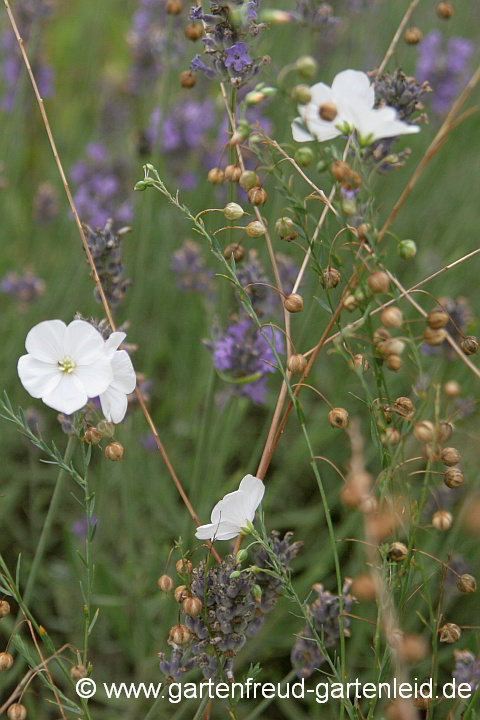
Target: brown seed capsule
x,y
467,584
174,7
77,672
380,336
445,10
392,317
183,566
4,608
165,583
216,176
395,638
469,345
330,278
181,593
192,606
233,173
362,231
394,362
349,302
442,520
293,303
353,182
297,363
450,633
6,661
255,229
188,79
179,635
114,451
394,346
328,111
236,250
194,31
413,36
424,431
445,431
368,505
17,711
452,389
257,196
364,588
404,405
338,417
413,649
378,282
340,170
434,337
249,180
390,437
398,552
453,477
92,436
450,456
437,318
432,452
359,362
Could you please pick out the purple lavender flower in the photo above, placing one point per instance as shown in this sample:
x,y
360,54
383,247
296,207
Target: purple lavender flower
x,y
238,57
24,288
318,15
188,264
106,247
80,527
467,668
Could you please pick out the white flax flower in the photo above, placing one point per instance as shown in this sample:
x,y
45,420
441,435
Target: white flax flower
x,y
114,399
65,364
235,512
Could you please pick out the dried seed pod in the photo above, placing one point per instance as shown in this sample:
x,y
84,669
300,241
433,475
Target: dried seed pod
x,y
238,252
349,302
394,346
106,428
432,452
424,431
4,608
445,431
17,711
233,211
368,505
397,552
216,176
77,672
297,363
392,317
114,451
363,587
257,196
391,437
452,389
453,477
378,282
362,231
469,345
233,173
183,566
380,336
255,229
248,180
165,583
445,10
338,417
174,7
340,170
330,278
293,303
413,36
284,227
437,318
434,337
450,456
467,584
192,606
194,31
442,520
394,362
404,405
450,633
181,593
6,661
92,436
179,635
328,111
359,362
188,79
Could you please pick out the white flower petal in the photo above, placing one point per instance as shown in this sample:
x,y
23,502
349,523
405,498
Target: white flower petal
x,y
95,377
82,342
37,377
45,341
124,377
219,531
299,133
67,396
114,341
321,94
254,490
354,83
114,404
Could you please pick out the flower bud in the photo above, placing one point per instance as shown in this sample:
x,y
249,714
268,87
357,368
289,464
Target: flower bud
x,y
304,156
256,593
17,711
192,606
255,229
77,672
140,186
391,437
301,94
174,7
233,211
188,79
233,173
437,318
424,431
338,417
450,633
442,520
306,66
183,566
6,661
165,583
235,574
179,635
407,249
328,111
431,452
445,431
413,36
467,584
297,363
359,362
404,405
194,31
452,389
236,250
106,428
469,345
450,456
378,282
4,608
92,436
392,317
445,10
330,278
380,336
293,303
453,477
434,337
254,97
397,552
248,180
216,176
114,451
181,593
340,170
241,555
257,196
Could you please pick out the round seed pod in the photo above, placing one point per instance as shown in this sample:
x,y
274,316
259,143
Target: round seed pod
x,y
404,405
297,364
340,170
181,593
183,566
257,196
233,173
452,389
395,638
445,431
432,452
179,635
77,672
284,227
390,437
378,282
328,111
255,229
4,608
437,318
467,584
407,249
394,362
17,711
453,477
445,10
304,156
442,520
106,428
394,346
364,588
424,431
362,231
114,451
293,303
233,211
398,552
380,336
165,583
450,456
301,94
338,418
92,436
188,79
413,36
359,362
306,66
368,505
450,633
413,649
174,7
192,606
249,180
330,278
392,317
236,250
469,345
216,176
194,31
6,661
349,302
434,337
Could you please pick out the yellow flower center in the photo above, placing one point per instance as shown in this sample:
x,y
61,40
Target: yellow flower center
x,y
66,366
